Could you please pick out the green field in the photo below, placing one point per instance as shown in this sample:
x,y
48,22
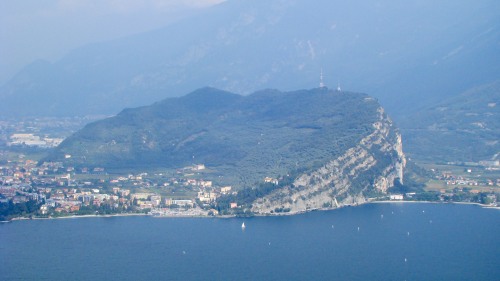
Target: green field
x,y
470,173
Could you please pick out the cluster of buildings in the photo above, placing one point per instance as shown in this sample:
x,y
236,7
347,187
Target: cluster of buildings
x,y
40,132
33,140
489,165
458,180
59,190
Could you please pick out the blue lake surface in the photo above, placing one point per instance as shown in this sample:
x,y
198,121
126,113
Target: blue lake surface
x,y
396,241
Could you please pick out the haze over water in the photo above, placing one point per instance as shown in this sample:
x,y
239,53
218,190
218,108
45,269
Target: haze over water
x,y
394,242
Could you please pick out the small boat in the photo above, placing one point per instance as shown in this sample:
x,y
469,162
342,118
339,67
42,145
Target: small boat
x,y
243,225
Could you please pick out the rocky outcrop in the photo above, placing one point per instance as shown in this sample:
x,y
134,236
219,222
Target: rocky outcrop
x,y
370,167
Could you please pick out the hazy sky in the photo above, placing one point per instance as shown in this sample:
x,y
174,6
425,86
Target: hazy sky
x,y
48,29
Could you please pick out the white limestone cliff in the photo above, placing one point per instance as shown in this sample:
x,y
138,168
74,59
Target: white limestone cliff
x,y
371,166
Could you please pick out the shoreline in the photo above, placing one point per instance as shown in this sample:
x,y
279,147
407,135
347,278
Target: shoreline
x,y
255,215
375,202
77,217
436,202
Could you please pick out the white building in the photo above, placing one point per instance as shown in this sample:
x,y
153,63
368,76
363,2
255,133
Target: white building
x,y
396,197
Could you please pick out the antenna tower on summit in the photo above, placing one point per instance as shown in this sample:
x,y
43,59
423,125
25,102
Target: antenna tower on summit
x,y
321,84
338,87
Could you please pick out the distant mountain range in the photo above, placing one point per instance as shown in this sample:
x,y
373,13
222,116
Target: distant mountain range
x,y
461,128
409,55
243,139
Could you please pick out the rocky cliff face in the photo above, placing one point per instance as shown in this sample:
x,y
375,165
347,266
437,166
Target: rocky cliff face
x,y
370,167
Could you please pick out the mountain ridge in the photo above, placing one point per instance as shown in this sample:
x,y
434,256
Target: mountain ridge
x,y
242,139
243,46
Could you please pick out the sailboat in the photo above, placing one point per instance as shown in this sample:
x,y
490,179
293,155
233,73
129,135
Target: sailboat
x,y
243,225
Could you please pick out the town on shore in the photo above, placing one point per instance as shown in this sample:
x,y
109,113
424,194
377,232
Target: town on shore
x,y
29,189
51,190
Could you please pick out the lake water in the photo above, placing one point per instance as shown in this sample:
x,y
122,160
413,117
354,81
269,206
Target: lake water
x,y
397,241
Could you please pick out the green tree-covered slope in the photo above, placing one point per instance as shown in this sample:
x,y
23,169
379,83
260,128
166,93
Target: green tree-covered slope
x,y
244,138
